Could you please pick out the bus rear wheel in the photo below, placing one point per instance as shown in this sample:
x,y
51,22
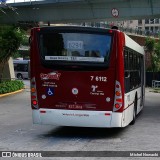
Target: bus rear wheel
x,y
134,112
19,76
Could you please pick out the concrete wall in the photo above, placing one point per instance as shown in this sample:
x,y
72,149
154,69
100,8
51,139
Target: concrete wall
x,y
8,72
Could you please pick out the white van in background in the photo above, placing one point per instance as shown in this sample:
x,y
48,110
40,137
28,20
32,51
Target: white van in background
x,y
21,68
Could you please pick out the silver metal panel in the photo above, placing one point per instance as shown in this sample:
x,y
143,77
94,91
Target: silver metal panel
x,y
62,11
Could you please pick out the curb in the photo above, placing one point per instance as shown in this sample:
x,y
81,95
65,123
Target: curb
x,y
11,93
27,87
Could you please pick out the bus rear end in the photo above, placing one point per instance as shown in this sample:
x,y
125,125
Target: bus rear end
x,y
73,77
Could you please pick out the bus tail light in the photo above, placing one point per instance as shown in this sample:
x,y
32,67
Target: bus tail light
x,y
33,89
38,29
118,93
34,102
118,97
33,97
117,105
110,31
34,94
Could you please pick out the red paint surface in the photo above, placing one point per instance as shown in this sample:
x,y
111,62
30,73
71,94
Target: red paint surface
x,y
63,98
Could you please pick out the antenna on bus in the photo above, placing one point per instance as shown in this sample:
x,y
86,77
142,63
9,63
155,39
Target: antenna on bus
x,y
114,27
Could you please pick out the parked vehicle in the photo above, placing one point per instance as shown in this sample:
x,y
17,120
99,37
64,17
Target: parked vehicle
x,y
21,68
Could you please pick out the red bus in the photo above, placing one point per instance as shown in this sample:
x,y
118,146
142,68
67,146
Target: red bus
x,y
83,76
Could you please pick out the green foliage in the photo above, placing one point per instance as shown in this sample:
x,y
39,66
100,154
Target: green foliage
x,y
156,90
157,56
25,40
10,40
11,86
16,55
153,48
150,44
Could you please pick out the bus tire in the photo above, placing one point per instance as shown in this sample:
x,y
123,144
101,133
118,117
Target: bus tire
x,y
19,76
134,112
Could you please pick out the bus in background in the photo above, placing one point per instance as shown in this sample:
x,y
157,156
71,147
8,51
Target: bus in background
x,y
85,77
21,68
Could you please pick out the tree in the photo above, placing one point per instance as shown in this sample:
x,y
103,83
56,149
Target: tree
x,y
150,44
153,48
150,47
10,40
157,57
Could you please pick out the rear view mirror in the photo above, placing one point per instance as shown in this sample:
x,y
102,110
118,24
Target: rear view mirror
x,y
127,74
30,40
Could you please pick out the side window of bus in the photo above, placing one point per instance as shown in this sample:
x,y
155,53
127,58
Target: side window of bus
x,y
26,68
19,67
53,44
22,67
132,62
126,64
127,71
15,67
125,60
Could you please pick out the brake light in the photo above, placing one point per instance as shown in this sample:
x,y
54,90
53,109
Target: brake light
x,y
110,31
118,97
119,100
34,102
117,105
34,99
38,29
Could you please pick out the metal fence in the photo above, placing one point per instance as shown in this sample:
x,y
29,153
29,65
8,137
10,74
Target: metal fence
x,y
153,79
135,31
155,84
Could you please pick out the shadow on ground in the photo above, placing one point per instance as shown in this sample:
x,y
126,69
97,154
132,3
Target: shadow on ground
x,y
83,132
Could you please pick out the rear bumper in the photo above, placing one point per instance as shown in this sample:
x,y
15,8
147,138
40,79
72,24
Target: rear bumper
x,y
77,118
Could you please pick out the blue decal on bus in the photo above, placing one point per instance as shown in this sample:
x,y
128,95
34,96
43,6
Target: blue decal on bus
x,y
50,91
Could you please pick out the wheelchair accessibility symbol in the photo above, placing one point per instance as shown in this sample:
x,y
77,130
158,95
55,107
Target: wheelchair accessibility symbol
x,y
50,91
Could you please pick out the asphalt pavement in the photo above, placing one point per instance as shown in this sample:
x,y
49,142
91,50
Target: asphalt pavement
x,y
17,133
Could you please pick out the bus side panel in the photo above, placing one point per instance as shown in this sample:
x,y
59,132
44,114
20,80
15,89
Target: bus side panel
x,y
120,42
137,90
129,105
